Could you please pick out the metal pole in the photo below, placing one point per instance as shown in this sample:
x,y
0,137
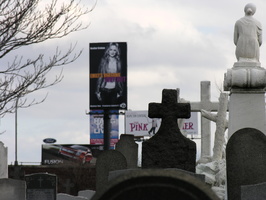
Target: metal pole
x,y
16,132
106,122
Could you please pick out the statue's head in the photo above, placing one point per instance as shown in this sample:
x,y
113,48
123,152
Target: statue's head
x,y
250,9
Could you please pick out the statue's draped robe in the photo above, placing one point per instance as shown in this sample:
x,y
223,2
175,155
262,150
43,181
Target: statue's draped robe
x,y
247,38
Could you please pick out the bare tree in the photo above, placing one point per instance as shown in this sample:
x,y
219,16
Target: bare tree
x,y
27,22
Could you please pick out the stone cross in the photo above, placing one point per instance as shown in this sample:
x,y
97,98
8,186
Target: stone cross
x,y
169,110
40,180
68,185
207,105
168,148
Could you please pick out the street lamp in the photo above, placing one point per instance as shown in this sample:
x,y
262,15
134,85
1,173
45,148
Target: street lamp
x,y
16,131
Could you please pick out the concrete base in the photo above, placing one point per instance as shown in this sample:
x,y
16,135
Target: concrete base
x,y
246,109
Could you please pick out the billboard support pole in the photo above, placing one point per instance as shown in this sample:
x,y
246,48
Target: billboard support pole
x,y
106,130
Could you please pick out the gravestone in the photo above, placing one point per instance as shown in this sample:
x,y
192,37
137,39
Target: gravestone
x,y
62,196
257,191
151,184
117,173
86,193
3,161
127,146
245,160
107,161
168,148
41,186
67,185
11,189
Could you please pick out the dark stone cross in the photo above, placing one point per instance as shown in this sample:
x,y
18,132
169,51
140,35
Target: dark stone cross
x,y
68,185
168,148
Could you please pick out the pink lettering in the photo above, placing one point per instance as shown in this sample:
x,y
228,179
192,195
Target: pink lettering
x,y
132,127
136,126
188,126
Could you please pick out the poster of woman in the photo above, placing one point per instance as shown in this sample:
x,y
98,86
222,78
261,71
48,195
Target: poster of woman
x,y
108,75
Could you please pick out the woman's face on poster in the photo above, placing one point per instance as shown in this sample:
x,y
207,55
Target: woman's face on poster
x,y
113,51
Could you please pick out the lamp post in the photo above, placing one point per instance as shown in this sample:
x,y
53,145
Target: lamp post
x,y
16,131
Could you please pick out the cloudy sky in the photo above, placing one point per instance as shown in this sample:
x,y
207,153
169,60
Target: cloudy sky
x,y
171,44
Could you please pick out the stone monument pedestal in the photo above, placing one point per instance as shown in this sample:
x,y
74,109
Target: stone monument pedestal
x,y
246,82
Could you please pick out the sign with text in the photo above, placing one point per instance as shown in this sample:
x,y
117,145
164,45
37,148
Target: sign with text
x,y
139,124
108,75
97,126
56,154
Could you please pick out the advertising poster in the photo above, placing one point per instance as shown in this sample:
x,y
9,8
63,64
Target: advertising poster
x,y
58,154
97,128
139,124
108,75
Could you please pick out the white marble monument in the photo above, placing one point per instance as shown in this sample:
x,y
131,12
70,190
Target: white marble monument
x,y
246,81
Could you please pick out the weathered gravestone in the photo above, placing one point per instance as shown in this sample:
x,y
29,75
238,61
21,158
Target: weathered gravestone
x,y
127,146
245,160
168,148
86,193
67,185
11,189
62,196
107,161
41,186
117,173
3,161
156,184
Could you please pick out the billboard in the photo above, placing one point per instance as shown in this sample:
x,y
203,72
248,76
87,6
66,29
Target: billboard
x,y
97,127
108,75
139,124
56,154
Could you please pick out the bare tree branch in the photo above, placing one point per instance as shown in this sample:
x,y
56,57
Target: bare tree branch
x,y
26,22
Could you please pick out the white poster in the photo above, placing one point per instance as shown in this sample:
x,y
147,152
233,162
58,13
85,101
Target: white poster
x,y
139,124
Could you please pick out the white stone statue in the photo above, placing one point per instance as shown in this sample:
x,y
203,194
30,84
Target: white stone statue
x,y
248,36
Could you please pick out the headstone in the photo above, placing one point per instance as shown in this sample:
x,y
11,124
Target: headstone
x,y
127,146
168,148
205,104
41,186
245,160
11,189
68,185
3,161
117,173
257,191
62,196
107,161
156,184
86,193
